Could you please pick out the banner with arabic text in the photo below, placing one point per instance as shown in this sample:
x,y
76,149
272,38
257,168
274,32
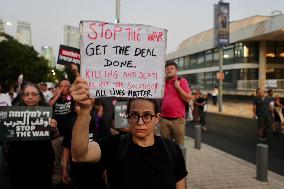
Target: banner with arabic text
x,y
19,123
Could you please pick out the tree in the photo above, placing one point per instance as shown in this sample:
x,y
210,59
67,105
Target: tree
x,y
17,58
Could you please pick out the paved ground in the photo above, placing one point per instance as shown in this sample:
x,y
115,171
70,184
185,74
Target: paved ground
x,y
235,108
238,137
210,168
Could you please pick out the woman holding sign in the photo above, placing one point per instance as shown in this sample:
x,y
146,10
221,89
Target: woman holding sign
x,y
31,162
139,160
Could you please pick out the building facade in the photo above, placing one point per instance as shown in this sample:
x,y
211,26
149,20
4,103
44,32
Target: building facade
x,y
254,58
2,26
47,53
71,36
24,33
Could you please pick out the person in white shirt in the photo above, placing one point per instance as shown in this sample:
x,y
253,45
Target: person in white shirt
x,y
215,95
46,93
5,99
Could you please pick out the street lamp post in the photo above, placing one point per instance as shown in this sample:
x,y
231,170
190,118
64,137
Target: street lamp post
x,y
220,92
221,39
117,11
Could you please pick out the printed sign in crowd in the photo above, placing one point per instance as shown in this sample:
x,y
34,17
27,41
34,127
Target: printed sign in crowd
x,y
68,55
120,116
25,123
123,60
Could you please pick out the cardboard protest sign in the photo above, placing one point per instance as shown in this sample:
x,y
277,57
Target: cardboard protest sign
x,y
19,123
123,60
68,55
120,116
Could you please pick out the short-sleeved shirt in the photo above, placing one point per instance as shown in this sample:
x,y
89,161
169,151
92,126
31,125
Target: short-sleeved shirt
x,y
201,100
108,110
142,167
85,174
262,106
47,95
5,99
172,105
63,110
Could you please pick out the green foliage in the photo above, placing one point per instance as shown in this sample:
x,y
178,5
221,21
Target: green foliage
x,y
16,59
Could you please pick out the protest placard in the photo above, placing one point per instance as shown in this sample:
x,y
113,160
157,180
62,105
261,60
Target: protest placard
x,y
120,115
19,123
68,55
123,60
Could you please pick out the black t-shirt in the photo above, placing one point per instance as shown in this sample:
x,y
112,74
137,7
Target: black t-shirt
x,y
85,175
31,163
201,100
108,110
262,106
142,167
97,129
63,110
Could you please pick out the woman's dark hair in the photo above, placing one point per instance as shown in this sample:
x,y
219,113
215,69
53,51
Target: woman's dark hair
x,y
42,99
153,101
3,88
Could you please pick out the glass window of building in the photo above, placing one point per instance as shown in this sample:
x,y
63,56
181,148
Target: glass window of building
x,y
208,58
239,51
176,61
243,74
249,52
208,80
270,52
192,79
193,60
200,80
250,49
247,78
275,73
247,74
252,74
279,74
270,73
181,63
230,79
280,52
228,54
200,59
187,62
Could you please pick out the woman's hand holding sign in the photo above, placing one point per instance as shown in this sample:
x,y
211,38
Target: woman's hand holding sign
x,y
81,94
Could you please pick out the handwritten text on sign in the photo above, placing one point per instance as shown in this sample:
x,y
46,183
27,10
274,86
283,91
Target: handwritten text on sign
x,y
123,60
24,123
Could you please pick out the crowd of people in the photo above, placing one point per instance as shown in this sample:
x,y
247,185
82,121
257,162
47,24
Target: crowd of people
x,y
268,111
89,124
87,149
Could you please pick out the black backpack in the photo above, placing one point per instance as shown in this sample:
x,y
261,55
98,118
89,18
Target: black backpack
x,y
168,145
186,105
